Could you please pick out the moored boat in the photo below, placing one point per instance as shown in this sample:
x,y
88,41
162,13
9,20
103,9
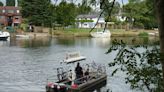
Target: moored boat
x,y
4,35
101,34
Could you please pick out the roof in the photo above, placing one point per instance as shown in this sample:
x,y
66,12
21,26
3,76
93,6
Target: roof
x,y
88,16
9,8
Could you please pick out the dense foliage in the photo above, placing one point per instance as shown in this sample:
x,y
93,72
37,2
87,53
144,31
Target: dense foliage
x,y
84,8
10,2
66,13
37,11
142,67
141,13
43,12
143,34
1,4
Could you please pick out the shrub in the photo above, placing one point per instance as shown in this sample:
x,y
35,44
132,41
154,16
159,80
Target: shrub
x,y
143,34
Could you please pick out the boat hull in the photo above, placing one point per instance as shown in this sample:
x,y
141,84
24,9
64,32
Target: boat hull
x,y
3,38
101,34
4,35
91,85
88,86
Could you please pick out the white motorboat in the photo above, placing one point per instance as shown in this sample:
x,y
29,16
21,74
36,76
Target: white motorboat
x,y
73,57
4,35
101,34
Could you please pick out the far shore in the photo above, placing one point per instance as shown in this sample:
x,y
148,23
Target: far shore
x,y
74,32
114,33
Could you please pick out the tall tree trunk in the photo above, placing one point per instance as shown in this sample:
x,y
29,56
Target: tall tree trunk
x,y
160,15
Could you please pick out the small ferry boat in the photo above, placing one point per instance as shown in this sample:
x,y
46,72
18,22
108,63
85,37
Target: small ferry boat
x,y
101,34
4,35
73,57
97,78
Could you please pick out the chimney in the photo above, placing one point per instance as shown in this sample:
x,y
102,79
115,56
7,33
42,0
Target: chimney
x,y
16,3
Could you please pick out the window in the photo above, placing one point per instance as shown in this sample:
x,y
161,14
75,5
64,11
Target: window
x,y
18,11
3,11
1,17
10,11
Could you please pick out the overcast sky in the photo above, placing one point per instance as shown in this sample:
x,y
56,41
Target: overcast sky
x,y
77,1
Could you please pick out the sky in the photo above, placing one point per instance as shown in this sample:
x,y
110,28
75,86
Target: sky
x,y
78,1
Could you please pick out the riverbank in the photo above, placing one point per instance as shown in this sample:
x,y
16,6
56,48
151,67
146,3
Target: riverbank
x,y
81,32
114,33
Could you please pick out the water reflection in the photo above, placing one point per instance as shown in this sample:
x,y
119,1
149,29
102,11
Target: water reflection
x,y
137,40
4,43
102,42
27,43
73,41
86,42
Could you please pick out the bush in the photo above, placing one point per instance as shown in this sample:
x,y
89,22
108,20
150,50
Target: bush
x,y
143,34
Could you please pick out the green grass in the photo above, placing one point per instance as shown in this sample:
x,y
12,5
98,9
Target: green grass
x,y
72,32
79,30
82,32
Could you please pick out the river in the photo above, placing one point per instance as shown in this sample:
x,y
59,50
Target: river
x,y
25,64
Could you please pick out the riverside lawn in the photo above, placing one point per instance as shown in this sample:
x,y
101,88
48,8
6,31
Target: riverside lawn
x,y
81,32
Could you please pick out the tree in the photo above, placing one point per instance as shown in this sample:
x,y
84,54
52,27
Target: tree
x,y
1,4
143,68
160,12
10,2
19,2
66,13
159,4
140,13
37,11
84,8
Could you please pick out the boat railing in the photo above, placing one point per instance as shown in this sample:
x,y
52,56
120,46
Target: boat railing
x,y
86,78
95,71
99,68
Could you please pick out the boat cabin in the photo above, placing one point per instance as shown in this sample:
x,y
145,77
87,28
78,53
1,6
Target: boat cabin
x,y
73,57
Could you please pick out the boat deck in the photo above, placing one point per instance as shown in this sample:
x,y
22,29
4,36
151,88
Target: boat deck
x,y
83,85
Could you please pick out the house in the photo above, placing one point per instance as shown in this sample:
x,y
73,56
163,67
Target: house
x,y
10,16
89,21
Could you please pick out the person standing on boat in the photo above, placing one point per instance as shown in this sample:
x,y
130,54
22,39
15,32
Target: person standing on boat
x,y
78,71
86,74
71,77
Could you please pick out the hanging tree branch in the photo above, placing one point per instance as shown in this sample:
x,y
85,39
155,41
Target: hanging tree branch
x,y
98,18
109,14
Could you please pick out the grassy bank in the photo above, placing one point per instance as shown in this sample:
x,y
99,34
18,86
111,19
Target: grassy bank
x,y
85,32
72,33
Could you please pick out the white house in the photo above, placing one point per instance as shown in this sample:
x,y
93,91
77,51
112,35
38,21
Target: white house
x,y
89,21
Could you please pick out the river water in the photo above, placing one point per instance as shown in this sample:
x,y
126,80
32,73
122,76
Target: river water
x,y
25,64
